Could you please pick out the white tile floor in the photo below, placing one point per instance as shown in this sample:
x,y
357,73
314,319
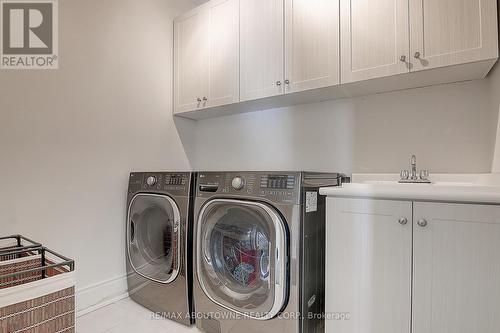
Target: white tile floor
x,y
126,316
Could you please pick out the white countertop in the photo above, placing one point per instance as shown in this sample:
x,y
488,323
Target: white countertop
x,y
483,188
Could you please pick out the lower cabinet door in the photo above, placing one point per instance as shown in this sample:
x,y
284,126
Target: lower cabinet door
x,y
456,286
368,266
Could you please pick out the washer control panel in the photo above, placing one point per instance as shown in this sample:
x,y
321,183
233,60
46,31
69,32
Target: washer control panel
x,y
175,183
151,181
279,182
279,187
238,183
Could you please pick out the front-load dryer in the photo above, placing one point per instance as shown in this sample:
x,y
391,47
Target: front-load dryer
x,y
259,251
159,243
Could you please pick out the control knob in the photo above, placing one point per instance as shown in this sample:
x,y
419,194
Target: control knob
x,y
238,183
151,181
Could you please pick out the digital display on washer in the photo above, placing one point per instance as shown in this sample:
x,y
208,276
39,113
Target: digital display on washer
x,y
175,180
280,182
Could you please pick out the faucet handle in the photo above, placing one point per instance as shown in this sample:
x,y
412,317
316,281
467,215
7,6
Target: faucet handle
x,y
405,174
424,174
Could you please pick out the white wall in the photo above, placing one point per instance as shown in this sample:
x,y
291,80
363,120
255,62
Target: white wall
x,y
451,128
70,137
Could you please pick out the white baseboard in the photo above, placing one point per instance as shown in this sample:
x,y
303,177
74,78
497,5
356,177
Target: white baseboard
x,y
101,294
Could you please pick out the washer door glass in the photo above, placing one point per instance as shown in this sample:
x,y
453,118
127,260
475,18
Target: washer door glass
x,y
153,237
241,257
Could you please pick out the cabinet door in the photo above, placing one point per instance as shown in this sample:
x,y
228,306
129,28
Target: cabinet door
x,y
450,32
456,286
224,52
190,61
368,266
374,37
261,48
312,44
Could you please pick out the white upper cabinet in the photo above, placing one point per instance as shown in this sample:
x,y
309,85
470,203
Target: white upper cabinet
x,y
261,49
300,51
374,37
312,44
206,56
368,265
450,32
190,61
456,286
223,37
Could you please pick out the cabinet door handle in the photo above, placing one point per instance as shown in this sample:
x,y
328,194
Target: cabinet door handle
x,y
205,99
198,99
278,83
417,55
403,221
422,223
287,81
403,58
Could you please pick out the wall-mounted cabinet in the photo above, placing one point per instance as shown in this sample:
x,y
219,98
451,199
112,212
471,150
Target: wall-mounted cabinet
x,y
311,44
288,46
189,62
389,37
243,55
223,52
207,57
450,32
375,39
261,49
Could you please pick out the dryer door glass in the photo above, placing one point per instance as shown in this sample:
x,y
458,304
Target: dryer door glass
x,y
242,257
154,237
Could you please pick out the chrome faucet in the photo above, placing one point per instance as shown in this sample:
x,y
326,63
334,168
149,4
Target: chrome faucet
x,y
413,162
412,176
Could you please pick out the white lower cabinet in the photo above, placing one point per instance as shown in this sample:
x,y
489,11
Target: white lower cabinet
x,y
368,269
456,284
453,285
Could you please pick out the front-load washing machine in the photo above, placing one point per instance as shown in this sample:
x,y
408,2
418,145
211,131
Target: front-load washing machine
x,y
259,251
159,243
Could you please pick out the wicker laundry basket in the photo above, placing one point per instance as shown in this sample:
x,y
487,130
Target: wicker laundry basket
x,y
37,289
16,242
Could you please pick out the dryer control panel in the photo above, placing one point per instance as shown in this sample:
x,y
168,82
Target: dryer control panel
x,y
173,183
277,187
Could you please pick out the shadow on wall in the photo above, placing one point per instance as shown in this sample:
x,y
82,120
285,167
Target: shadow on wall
x,y
281,139
186,128
494,80
372,134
